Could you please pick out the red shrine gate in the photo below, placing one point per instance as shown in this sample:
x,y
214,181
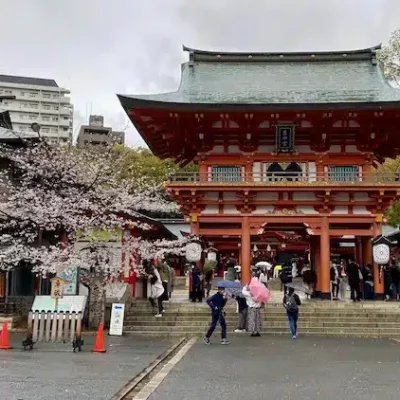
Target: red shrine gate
x,y
285,143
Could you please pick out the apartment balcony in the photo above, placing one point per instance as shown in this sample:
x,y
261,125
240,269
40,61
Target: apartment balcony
x,y
284,179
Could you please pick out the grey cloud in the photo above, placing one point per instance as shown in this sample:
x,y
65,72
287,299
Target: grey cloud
x,y
98,48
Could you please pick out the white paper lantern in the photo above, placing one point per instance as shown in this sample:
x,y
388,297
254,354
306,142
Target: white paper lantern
x,y
193,252
381,254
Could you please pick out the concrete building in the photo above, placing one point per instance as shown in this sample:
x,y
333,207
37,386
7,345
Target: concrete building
x,y
41,101
96,133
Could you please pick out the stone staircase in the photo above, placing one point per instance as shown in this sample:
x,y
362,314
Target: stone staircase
x,y
366,319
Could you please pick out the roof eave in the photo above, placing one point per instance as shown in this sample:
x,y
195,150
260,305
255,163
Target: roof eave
x,y
140,103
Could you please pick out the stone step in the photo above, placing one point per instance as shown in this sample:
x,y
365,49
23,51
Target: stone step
x,y
269,314
166,323
274,331
233,319
280,325
309,304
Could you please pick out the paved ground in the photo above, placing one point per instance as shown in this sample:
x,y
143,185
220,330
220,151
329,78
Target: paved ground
x,y
54,372
279,368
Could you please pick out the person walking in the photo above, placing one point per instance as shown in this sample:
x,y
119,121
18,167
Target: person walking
x,y
197,292
291,302
263,278
217,303
335,281
208,279
242,313
395,274
353,274
286,276
156,292
254,323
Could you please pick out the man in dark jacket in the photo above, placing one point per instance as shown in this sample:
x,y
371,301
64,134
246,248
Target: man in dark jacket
x,y
291,302
395,273
217,303
353,274
286,276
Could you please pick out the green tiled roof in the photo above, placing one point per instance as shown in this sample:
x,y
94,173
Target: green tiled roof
x,y
278,79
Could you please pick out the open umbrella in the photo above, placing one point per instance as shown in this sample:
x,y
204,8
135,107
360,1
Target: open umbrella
x,y
299,287
264,265
228,284
232,288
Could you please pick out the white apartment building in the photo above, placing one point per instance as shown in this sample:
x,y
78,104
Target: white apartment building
x,y
38,100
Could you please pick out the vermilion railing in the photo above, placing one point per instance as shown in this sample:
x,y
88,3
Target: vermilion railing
x,y
286,177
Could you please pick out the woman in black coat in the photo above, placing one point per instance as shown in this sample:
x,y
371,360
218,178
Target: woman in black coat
x,y
353,274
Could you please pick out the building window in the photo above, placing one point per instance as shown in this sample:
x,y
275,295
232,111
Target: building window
x,y
22,94
33,94
54,118
45,130
55,96
8,91
226,173
46,95
344,174
46,106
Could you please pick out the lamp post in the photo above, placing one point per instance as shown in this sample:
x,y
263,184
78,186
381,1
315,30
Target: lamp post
x,y
36,128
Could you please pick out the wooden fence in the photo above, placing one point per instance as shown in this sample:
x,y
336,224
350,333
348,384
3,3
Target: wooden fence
x,y
46,327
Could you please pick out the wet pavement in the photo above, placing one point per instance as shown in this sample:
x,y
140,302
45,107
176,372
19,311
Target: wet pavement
x,y
280,368
52,372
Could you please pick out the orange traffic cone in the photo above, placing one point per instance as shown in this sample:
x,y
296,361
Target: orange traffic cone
x,y
99,345
4,342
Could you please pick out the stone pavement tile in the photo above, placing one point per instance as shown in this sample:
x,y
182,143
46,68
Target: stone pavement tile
x,y
54,372
280,368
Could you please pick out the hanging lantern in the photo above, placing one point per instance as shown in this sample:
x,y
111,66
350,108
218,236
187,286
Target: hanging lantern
x,y
269,248
193,252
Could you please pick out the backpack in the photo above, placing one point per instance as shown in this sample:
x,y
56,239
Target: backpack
x,y
290,304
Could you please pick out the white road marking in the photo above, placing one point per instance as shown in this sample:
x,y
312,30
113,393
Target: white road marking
x,y
151,386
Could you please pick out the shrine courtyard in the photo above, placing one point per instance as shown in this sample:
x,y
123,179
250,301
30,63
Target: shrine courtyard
x,y
280,368
269,367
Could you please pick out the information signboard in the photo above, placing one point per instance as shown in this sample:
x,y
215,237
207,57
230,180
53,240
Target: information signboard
x,y
117,319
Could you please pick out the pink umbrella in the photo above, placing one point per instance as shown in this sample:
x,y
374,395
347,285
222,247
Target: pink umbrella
x,y
258,291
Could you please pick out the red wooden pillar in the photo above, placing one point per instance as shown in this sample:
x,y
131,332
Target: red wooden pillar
x,y
194,225
378,279
367,250
245,250
325,255
359,251
317,262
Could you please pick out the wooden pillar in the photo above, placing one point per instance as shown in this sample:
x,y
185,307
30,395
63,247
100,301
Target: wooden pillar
x,y
245,250
367,250
378,279
317,264
194,225
359,252
203,172
325,249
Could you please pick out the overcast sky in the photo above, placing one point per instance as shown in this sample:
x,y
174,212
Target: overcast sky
x,y
97,48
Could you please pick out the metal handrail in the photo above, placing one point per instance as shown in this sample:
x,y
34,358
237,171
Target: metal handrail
x,y
285,177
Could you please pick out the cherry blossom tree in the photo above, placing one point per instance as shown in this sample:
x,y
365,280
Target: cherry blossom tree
x,y
389,56
48,194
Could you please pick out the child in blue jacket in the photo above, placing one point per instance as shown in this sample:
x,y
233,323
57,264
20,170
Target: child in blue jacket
x,y
217,303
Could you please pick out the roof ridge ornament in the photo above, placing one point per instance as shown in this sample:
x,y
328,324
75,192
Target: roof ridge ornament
x,y
300,56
